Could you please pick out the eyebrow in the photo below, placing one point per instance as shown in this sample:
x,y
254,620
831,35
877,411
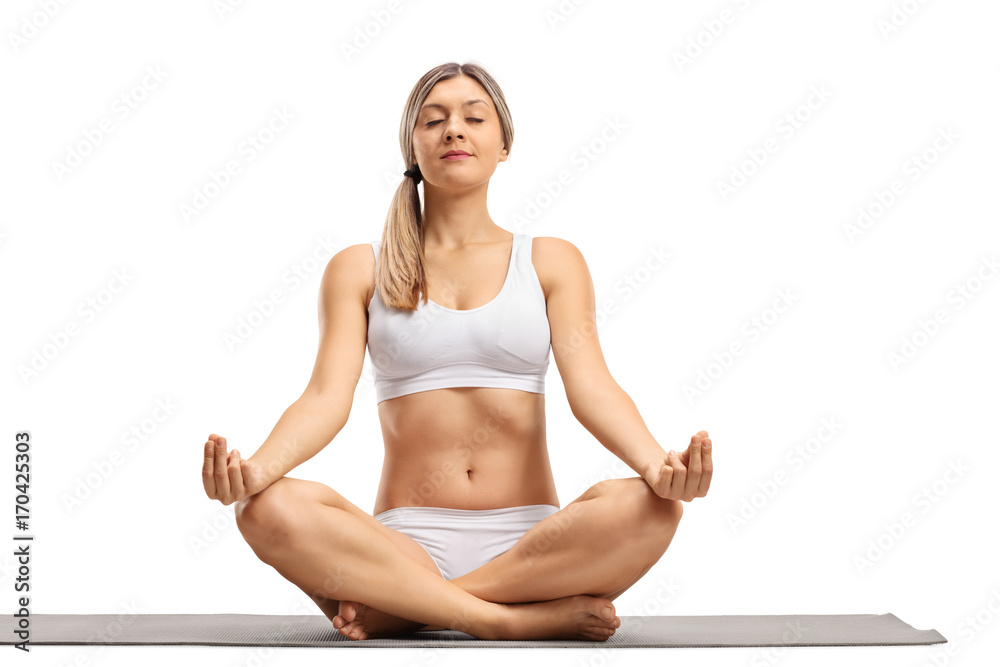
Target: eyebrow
x,y
441,106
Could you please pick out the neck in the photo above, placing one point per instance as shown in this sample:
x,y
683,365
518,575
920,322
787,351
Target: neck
x,y
454,218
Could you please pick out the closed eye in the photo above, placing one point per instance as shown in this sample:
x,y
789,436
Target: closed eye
x,y
477,120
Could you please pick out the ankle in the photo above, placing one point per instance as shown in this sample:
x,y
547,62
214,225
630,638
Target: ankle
x,y
499,623
493,622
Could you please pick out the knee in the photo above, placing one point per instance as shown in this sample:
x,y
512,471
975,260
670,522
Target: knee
x,y
266,516
643,512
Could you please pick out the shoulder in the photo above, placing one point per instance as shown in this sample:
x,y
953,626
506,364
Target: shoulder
x,y
352,257
556,262
351,268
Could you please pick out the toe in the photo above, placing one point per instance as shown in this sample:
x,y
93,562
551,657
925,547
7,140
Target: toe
x,y
348,610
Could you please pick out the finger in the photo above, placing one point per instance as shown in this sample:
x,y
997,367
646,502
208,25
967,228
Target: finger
x,y
662,487
208,469
706,466
236,475
694,469
221,476
679,476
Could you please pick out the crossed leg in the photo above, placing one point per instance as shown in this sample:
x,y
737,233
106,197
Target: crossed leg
x,y
283,509
600,544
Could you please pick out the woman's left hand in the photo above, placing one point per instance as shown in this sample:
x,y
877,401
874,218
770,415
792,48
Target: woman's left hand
x,y
684,476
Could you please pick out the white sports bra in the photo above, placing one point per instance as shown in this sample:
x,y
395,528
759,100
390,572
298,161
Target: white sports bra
x,y
504,343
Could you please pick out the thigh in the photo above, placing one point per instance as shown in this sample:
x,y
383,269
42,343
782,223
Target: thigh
x,y
304,490
599,544
612,514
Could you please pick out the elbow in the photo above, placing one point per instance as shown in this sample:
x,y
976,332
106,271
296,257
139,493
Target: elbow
x,y
334,406
581,403
589,398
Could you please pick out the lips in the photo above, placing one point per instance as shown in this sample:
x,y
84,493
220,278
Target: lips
x,y
456,153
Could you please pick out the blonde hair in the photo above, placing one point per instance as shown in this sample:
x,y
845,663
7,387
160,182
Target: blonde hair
x,y
399,274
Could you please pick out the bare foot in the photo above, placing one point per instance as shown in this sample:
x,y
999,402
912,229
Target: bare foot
x,y
359,621
573,617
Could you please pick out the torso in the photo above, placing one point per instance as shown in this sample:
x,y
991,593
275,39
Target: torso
x,y
465,447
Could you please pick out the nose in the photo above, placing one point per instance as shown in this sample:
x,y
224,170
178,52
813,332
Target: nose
x,y
450,131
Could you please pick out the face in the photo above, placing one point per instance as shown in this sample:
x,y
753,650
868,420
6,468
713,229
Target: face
x,y
447,123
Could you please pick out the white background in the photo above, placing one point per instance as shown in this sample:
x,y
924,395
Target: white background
x,y
131,540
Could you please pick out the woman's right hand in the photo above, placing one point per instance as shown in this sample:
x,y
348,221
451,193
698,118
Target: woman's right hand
x,y
227,477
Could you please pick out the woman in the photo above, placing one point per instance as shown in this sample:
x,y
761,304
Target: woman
x,y
459,316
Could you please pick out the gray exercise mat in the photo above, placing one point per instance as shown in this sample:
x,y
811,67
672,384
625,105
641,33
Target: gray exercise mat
x,y
316,630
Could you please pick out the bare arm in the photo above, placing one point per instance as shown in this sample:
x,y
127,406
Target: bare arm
x,y
305,427
597,401
317,416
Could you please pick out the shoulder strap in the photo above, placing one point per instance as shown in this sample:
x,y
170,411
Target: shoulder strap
x,y
524,241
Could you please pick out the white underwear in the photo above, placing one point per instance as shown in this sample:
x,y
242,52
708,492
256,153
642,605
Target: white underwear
x,y
460,541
